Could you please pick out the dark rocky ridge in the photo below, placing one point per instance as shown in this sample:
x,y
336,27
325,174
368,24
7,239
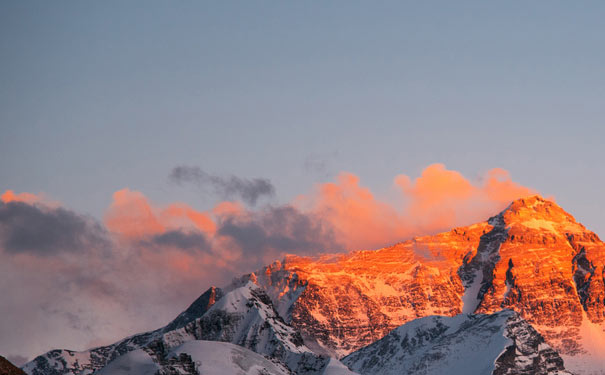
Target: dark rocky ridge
x,y
7,368
500,343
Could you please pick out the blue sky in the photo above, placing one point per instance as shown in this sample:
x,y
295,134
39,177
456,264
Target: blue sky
x,y
95,97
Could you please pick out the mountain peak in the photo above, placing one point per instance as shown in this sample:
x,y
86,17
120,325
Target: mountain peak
x,y
536,212
532,202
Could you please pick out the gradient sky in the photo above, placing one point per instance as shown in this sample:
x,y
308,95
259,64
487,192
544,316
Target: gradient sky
x,y
96,97
99,96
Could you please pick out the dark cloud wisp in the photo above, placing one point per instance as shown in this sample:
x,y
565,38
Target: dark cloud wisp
x,y
320,164
38,230
249,190
189,241
279,229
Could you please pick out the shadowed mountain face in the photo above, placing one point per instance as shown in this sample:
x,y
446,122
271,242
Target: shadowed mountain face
x,y
499,343
7,368
533,258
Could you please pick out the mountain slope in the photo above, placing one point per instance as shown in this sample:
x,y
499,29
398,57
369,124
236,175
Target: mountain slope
x,y
500,343
61,361
7,368
205,357
243,315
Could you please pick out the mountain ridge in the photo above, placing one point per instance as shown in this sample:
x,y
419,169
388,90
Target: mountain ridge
x,y
499,343
532,257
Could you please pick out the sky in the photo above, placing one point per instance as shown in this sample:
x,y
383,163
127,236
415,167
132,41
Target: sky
x,y
195,134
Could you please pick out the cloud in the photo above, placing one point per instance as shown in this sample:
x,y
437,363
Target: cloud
x,y
225,187
78,282
320,164
438,200
358,218
247,238
190,241
24,197
45,231
131,215
274,231
59,276
10,196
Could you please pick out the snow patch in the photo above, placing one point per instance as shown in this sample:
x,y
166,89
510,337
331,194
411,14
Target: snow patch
x,y
218,358
470,298
136,362
464,344
540,224
592,339
335,367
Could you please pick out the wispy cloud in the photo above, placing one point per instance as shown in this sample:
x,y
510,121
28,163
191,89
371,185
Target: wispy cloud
x,y
189,241
320,164
78,282
249,190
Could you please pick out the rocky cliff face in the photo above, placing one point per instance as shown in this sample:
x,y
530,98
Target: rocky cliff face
x,y
347,301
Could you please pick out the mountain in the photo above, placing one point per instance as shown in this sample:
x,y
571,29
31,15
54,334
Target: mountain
x,y
499,343
7,368
533,258
241,314
63,361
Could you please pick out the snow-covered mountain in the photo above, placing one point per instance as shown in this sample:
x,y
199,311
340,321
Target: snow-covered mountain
x,y
499,343
533,258
305,313
242,314
63,361
205,357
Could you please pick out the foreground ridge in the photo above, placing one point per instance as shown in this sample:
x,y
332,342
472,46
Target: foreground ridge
x,y
499,343
7,368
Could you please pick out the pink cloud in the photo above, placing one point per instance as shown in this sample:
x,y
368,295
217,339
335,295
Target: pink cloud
x,y
158,258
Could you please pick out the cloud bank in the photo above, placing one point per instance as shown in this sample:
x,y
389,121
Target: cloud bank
x,y
44,231
79,282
